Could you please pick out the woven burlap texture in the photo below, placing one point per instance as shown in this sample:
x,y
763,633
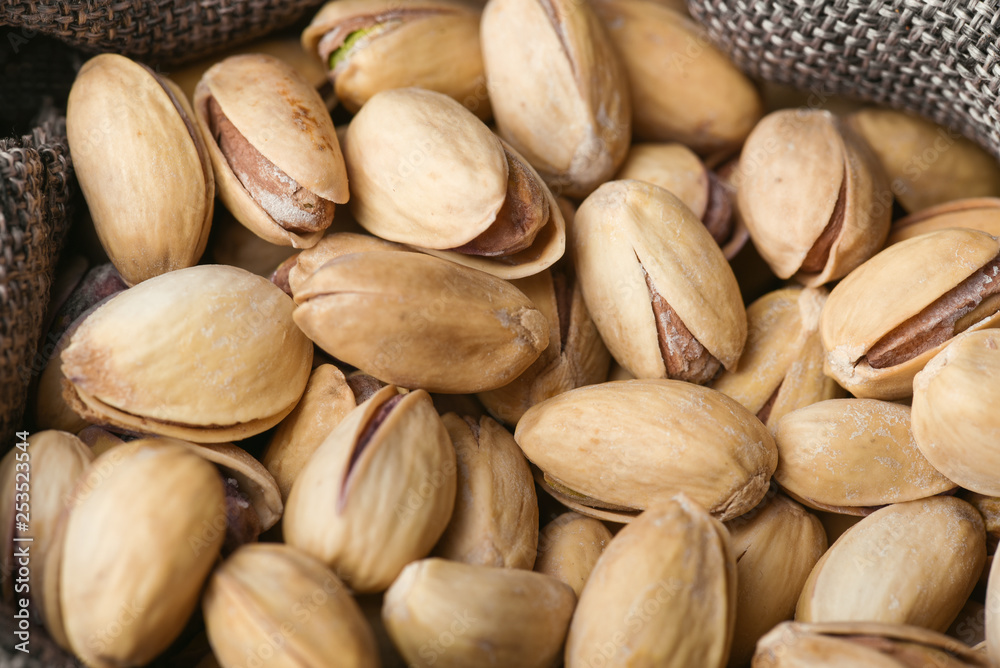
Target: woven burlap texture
x,y
938,58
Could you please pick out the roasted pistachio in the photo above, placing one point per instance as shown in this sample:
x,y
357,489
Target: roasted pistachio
x,y
569,547
978,214
329,248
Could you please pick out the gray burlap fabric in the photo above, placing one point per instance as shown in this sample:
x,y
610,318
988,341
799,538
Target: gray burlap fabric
x,y
939,58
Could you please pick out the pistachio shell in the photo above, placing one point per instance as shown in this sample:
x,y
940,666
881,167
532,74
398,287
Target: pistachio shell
x,y
569,547
662,594
908,563
954,411
667,436
850,455
449,614
190,354
872,301
673,167
378,493
977,214
142,166
331,247
419,321
260,593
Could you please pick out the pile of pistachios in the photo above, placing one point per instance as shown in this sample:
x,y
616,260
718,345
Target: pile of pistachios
x,y
488,374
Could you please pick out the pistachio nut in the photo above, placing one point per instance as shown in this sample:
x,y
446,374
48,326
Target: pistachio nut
x,y
329,248
142,166
662,594
420,321
127,552
927,164
727,175
326,401
683,88
656,284
379,491
34,484
261,591
781,368
776,544
852,455
233,244
980,213
368,46
989,508
576,354
425,172
810,194
559,93
495,521
504,617
569,547
954,411
908,563
275,152
666,436
852,644
879,331
190,354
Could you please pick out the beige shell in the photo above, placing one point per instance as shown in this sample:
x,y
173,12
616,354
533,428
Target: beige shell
x,y
978,214
662,594
454,615
331,247
629,234
283,117
326,401
431,44
419,321
267,592
665,436
776,545
142,166
129,576
190,354
927,164
810,196
852,455
673,167
873,300
378,493
908,563
955,411
559,93
683,88
495,521
569,547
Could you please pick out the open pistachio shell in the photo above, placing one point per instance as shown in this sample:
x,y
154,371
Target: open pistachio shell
x,y
190,354
981,213
273,146
142,166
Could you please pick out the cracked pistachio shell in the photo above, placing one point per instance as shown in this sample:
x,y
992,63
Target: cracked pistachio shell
x,y
262,591
908,563
781,368
142,166
504,617
331,247
776,544
926,164
662,594
419,321
559,92
869,644
881,302
811,195
409,149
377,45
576,354
190,354
289,137
326,401
495,521
139,543
379,491
955,421
631,239
569,547
852,455
666,436
981,213
683,88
